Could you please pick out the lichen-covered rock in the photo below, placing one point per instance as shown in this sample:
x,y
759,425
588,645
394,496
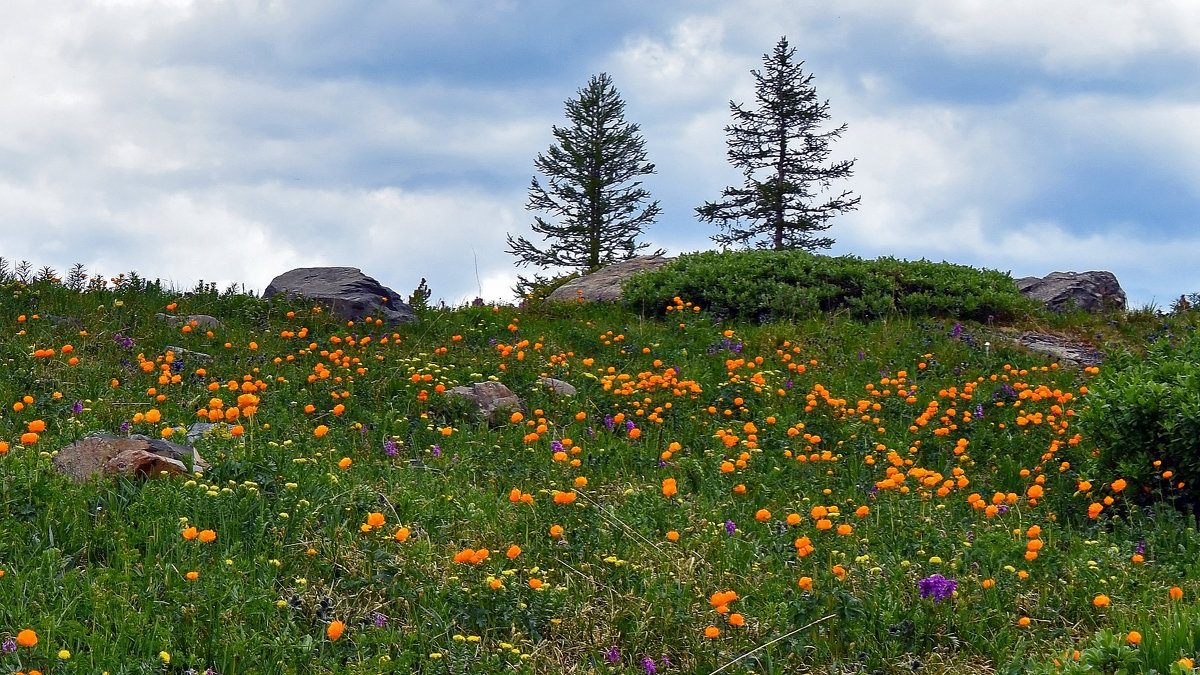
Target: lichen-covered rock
x,y
345,290
605,283
493,401
558,386
203,321
107,455
1095,291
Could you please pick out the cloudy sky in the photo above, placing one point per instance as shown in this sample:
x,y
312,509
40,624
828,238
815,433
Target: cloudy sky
x,y
233,140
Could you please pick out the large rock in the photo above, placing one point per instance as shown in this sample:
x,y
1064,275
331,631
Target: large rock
x,y
605,283
197,320
1088,291
493,401
345,290
107,455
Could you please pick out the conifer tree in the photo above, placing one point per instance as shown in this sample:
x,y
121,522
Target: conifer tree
x,y
781,151
594,202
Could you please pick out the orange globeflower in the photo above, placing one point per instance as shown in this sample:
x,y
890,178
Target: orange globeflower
x,y
376,519
673,536
712,632
29,438
535,584
193,575
334,631
37,426
345,463
190,533
1134,638
556,531
844,529
207,535
1176,593
153,416
669,489
402,534
736,620
1118,485
320,431
27,638
762,515
564,497
805,583
1100,601
513,552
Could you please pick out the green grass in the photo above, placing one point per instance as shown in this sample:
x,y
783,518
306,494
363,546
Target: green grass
x,y
100,570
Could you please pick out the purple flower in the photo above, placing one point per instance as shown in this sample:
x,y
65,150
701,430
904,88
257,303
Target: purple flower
x,y
125,427
787,385
861,355
629,425
608,422
10,645
979,411
556,446
1002,509
956,331
613,654
937,587
77,408
730,527
648,665
380,619
437,451
389,447
1141,548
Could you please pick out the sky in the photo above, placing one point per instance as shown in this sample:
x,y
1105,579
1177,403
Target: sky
x,y
231,141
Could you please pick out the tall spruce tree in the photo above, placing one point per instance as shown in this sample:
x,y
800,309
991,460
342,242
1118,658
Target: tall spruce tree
x,y
591,189
782,153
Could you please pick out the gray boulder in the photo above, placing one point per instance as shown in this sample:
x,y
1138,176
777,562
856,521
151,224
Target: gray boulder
x,y
492,401
605,283
197,320
135,456
345,290
558,386
1088,291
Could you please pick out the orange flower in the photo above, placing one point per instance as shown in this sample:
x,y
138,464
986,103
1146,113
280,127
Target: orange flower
x,y
376,519
736,620
564,497
862,511
320,431
1101,601
668,487
190,533
762,515
516,417
1034,492
402,534
1118,485
1134,638
805,583
988,583
1033,532
334,631
513,552
824,524
535,584
207,536
556,531
673,536
1094,509
37,426
712,632
844,529
29,438
839,571
27,638
193,575
1176,593
345,463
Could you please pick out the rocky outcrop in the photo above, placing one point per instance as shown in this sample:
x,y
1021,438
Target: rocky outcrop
x,y
605,283
1088,291
558,386
194,320
345,290
135,456
492,401
1061,349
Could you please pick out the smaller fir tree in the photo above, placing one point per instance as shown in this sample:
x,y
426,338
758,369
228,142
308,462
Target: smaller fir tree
x,y
591,189
782,153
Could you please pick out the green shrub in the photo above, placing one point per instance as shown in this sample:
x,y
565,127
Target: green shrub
x,y
1146,409
763,285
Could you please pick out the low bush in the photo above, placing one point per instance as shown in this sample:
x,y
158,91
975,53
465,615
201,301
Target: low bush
x,y
774,285
1144,418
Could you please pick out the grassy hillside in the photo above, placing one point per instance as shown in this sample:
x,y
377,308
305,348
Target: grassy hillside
x,y
829,494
